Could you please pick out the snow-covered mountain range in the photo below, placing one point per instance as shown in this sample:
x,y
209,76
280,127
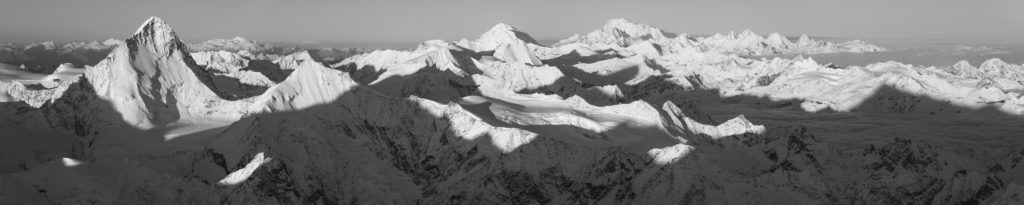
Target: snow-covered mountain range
x,y
626,114
624,33
44,57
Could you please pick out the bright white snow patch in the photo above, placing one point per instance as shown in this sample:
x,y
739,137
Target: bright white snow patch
x,y
68,162
670,154
244,173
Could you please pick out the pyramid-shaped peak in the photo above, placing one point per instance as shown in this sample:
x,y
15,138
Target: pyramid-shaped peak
x,y
506,30
157,36
777,39
156,31
152,25
503,27
804,37
623,24
503,34
503,30
238,38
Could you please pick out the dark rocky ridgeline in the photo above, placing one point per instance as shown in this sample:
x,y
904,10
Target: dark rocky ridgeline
x,y
407,145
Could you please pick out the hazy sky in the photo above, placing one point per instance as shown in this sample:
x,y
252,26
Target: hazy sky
x,y
374,21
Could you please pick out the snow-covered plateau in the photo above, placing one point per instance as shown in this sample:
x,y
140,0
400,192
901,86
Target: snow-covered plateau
x,y
626,114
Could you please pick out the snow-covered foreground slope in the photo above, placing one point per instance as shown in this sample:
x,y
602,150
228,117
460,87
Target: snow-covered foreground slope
x,y
627,114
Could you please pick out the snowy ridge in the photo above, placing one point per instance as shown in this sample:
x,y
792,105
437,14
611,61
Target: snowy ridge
x,y
471,127
234,66
241,175
36,89
668,155
629,71
267,51
43,57
294,60
504,79
646,49
516,52
618,31
501,34
442,55
508,44
744,42
234,44
844,89
220,61
623,33
92,45
750,43
991,68
378,59
311,84
686,125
